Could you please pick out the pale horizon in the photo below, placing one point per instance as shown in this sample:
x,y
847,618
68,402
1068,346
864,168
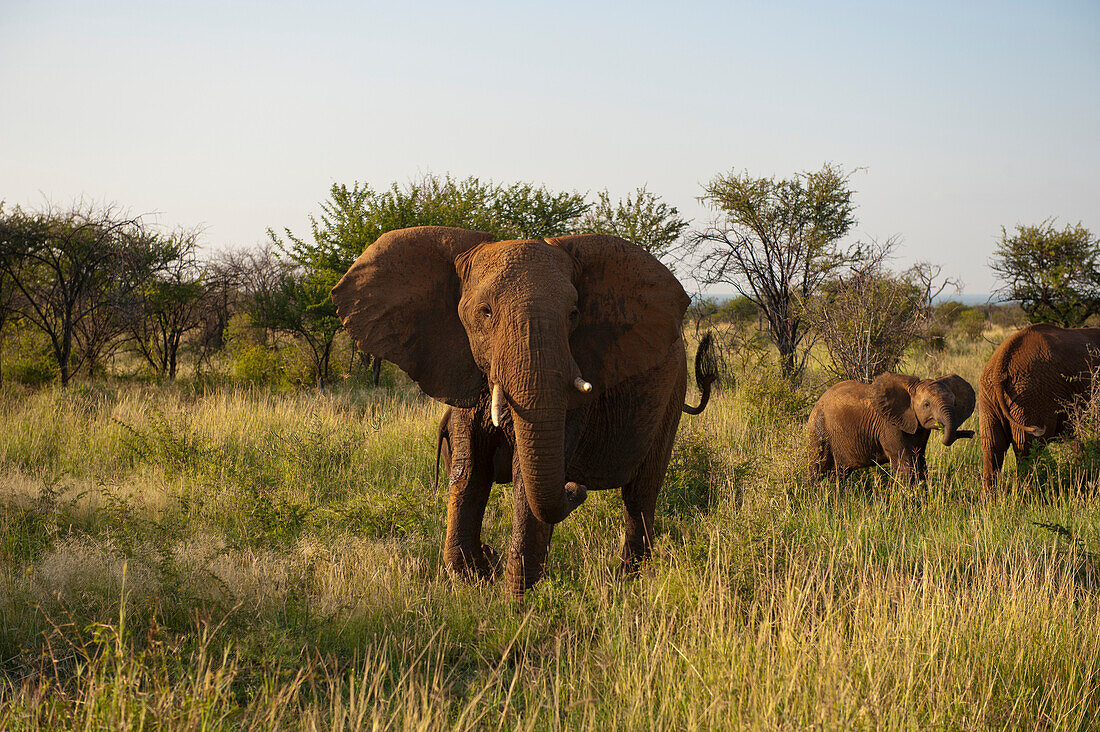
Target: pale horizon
x,y
961,120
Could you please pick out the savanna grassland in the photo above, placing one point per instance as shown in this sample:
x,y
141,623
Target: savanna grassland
x,y
210,556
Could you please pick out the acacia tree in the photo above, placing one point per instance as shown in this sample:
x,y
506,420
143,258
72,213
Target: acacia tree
x,y
642,218
299,305
352,218
1055,275
62,264
231,279
775,241
169,304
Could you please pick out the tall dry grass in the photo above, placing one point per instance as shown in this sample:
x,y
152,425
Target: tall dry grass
x,y
241,559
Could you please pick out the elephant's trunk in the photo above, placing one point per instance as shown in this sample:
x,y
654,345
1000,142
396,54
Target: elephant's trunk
x,y
537,381
540,450
950,422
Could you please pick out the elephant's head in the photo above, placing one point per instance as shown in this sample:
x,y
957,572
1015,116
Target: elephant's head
x,y
546,325
912,403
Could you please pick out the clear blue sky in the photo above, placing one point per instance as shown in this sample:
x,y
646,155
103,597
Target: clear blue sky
x,y
966,116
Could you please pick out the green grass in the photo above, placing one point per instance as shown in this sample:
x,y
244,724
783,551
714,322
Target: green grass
x,y
216,557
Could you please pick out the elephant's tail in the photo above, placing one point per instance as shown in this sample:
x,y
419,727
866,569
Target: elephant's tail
x,y
1017,415
706,372
441,435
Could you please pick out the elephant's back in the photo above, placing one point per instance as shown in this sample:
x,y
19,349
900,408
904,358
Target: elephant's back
x,y
1038,366
1039,349
842,403
845,392
844,417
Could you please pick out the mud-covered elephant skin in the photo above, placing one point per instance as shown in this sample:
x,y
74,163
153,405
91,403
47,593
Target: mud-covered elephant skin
x,y
1026,386
486,452
569,346
856,425
491,445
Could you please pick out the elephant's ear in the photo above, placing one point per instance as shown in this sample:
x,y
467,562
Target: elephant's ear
x,y
399,301
630,308
891,397
964,395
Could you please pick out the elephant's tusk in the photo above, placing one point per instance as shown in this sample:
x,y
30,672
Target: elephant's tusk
x,y
582,385
498,404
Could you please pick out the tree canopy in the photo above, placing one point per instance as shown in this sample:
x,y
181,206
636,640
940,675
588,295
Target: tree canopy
x,y
1055,275
775,241
642,218
352,218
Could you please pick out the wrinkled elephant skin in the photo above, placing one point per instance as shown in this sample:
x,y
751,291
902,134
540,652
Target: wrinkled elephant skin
x,y
1025,388
571,345
856,425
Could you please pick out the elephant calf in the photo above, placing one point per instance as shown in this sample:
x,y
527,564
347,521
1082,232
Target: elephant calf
x,y
856,425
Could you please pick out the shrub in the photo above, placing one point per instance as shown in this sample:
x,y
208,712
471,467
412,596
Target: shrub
x,y
1084,418
775,399
27,356
868,318
970,323
33,369
690,478
257,364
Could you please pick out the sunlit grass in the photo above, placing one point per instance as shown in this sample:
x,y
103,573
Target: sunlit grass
x,y
235,558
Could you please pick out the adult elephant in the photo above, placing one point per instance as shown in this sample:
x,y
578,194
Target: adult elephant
x,y
856,425
1025,388
569,346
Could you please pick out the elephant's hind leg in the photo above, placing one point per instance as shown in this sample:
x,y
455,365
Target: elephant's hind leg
x,y
820,462
640,498
819,452
995,438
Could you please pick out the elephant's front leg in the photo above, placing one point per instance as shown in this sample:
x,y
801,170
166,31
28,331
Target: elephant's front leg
x,y
909,466
639,509
902,465
530,543
922,467
469,485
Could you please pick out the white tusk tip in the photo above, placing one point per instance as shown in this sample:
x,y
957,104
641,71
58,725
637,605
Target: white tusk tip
x,y
497,405
582,385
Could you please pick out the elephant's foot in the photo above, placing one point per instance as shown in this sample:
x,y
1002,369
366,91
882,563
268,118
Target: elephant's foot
x,y
631,561
482,563
523,573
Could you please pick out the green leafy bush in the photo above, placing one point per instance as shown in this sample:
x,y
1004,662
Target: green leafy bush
x,y
257,364
690,478
970,323
33,369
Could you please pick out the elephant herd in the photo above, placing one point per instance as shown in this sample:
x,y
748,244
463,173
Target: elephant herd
x,y
1022,397
564,369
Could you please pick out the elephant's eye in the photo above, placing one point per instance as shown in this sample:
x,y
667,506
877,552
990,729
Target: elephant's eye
x,y
573,315
485,312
